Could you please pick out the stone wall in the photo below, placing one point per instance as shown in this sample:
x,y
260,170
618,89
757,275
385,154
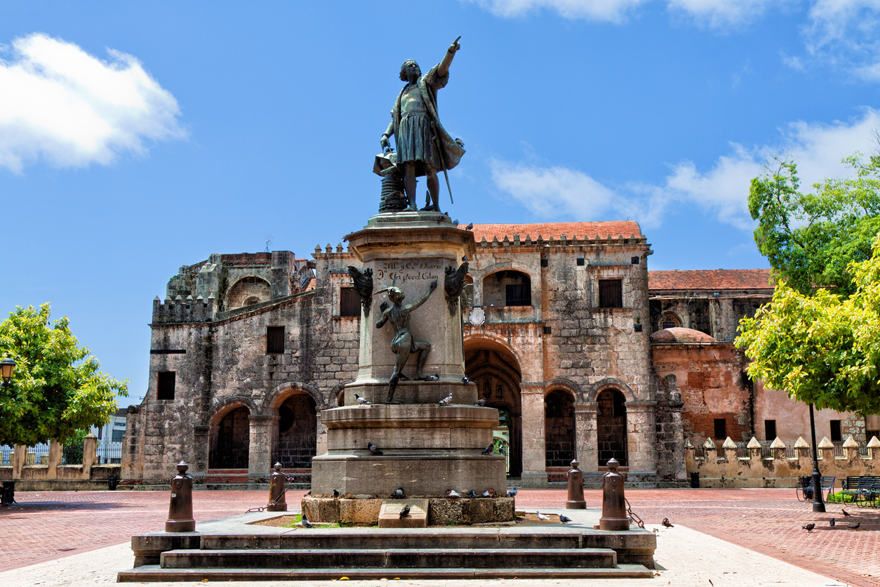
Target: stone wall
x,y
719,466
53,476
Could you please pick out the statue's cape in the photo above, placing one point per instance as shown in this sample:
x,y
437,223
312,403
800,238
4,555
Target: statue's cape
x,y
452,150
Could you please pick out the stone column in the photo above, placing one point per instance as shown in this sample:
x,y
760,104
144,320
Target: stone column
x,y
90,455
679,467
201,450
19,457
260,445
55,449
533,446
586,441
640,436
321,436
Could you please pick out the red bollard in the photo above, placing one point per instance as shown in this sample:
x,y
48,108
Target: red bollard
x,y
277,490
613,500
180,510
575,499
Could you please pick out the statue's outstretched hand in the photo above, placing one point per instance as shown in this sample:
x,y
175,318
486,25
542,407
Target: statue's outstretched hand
x,y
455,46
433,285
385,144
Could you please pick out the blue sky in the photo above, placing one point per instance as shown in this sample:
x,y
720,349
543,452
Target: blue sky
x,y
138,137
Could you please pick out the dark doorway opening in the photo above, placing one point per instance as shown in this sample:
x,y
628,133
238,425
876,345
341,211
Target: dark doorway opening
x,y
296,441
611,427
559,431
230,441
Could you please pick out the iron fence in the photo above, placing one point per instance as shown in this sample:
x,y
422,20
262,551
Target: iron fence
x,y
37,455
6,453
109,454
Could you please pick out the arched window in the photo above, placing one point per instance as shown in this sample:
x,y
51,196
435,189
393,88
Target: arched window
x,y
669,320
248,291
507,288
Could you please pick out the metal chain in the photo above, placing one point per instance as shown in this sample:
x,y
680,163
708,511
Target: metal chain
x,y
633,516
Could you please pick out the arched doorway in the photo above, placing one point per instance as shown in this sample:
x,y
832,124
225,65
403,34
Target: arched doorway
x,y
611,426
559,431
497,375
230,439
296,437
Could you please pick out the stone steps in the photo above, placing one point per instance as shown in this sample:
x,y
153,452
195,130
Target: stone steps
x,y
434,558
154,573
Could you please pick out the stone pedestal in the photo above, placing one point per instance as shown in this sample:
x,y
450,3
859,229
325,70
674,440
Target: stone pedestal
x,y
426,448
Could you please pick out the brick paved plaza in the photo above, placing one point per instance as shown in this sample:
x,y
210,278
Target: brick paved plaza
x,y
47,526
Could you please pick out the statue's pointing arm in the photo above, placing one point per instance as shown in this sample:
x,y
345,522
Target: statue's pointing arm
x,y
425,297
443,68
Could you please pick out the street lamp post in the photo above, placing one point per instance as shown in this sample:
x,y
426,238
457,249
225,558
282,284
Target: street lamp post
x,y
7,493
818,502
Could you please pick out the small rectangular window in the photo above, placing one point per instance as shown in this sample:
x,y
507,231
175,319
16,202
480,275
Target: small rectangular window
x,y
720,428
610,293
274,340
836,435
165,384
634,260
117,436
548,330
580,261
770,429
545,262
349,302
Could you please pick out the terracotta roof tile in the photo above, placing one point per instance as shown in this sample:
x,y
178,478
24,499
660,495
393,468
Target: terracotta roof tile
x,y
555,230
709,279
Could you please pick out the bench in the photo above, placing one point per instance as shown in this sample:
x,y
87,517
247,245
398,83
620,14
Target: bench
x,y
865,489
804,489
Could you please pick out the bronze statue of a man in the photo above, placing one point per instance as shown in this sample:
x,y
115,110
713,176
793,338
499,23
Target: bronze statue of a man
x,y
404,343
423,145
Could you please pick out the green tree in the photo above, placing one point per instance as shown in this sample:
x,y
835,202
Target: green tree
x,y
810,238
822,348
57,388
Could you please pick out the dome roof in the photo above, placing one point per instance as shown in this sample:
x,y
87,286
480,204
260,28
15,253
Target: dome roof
x,y
678,334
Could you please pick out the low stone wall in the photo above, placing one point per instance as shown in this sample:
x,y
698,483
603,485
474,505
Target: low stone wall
x,y
721,467
53,476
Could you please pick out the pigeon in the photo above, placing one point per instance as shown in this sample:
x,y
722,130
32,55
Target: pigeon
x,y
489,492
335,493
845,513
481,402
470,226
305,522
374,450
809,527
446,400
488,449
398,493
362,400
405,511
465,380
433,377
855,526
512,492
564,519
472,494
667,523
453,493
832,522
542,516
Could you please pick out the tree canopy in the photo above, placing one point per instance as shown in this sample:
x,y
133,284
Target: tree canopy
x,y
821,348
810,238
57,387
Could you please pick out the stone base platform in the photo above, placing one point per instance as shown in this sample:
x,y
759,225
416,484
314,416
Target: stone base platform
x,y
442,511
238,550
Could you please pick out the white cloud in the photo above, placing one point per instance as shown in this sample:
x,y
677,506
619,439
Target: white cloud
x,y
598,10
720,191
61,104
721,13
843,34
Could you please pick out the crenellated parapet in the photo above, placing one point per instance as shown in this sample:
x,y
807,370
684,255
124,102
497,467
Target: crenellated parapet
x,y
778,465
182,310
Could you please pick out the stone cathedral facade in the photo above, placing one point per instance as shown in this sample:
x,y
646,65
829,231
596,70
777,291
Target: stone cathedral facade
x,y
586,354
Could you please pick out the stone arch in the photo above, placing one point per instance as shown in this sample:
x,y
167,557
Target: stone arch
x,y
282,391
495,368
611,426
223,405
669,319
564,383
295,425
592,392
229,439
246,290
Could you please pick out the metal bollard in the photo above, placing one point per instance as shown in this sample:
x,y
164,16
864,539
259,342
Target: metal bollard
x,y
575,499
180,510
613,500
277,491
